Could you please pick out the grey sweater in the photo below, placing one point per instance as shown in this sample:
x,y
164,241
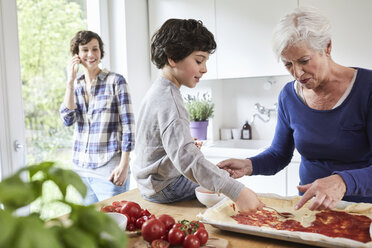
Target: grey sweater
x,y
165,149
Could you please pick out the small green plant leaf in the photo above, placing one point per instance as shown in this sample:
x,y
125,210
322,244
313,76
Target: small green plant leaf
x,y
73,237
14,193
100,225
62,178
31,233
7,226
42,167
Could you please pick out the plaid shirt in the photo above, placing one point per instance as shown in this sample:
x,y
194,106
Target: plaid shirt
x,y
105,124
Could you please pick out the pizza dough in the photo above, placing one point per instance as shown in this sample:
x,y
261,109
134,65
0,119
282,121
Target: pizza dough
x,y
222,214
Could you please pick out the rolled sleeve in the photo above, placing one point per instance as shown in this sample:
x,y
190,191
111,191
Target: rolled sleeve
x,y
126,115
68,116
190,161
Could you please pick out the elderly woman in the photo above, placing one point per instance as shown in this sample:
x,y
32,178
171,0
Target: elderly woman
x,y
326,113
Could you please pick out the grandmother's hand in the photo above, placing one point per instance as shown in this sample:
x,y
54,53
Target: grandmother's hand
x,y
236,167
327,192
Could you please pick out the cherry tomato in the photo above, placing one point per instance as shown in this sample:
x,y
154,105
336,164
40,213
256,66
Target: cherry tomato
x,y
108,208
118,203
176,236
131,227
145,212
128,218
152,229
159,243
167,220
140,221
180,226
191,241
202,235
132,209
198,224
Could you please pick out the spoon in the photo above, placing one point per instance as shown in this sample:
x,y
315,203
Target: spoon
x,y
284,214
370,230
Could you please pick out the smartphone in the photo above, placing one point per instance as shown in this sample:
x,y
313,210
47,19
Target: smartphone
x,y
76,67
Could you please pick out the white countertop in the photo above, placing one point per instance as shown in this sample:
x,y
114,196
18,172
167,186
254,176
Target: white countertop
x,y
238,148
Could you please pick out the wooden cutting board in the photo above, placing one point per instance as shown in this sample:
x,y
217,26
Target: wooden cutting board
x,y
212,243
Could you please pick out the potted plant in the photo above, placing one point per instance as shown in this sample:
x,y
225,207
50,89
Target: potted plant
x,y
200,110
85,226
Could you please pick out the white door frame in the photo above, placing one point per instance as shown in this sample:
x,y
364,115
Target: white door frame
x,y
12,128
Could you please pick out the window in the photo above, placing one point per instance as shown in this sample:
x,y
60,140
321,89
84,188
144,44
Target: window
x,y
45,29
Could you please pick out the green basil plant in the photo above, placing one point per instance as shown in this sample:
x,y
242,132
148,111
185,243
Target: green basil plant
x,y
83,227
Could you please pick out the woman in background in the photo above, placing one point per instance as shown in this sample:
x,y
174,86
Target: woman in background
x,y
99,103
326,113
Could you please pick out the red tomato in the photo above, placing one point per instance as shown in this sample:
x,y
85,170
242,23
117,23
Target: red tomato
x,y
131,227
152,229
191,241
128,218
159,243
132,209
176,236
118,203
197,224
140,221
167,220
145,212
178,225
108,208
202,235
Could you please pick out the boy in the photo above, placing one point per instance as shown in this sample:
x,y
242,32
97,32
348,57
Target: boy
x,y
168,166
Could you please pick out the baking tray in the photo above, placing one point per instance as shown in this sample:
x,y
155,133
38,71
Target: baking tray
x,y
313,239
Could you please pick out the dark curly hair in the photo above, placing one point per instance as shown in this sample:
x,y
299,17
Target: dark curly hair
x,y
82,38
177,39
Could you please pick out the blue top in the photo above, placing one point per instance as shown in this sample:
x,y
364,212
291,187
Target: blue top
x,y
336,141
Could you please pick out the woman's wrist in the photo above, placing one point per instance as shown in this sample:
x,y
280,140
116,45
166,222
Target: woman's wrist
x,y
249,167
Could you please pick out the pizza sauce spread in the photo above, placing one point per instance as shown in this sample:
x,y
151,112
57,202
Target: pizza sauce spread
x,y
328,222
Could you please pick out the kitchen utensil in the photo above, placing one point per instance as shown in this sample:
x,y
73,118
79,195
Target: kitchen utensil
x,y
283,214
370,230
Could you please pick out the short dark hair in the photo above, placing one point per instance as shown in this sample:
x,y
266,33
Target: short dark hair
x,y
178,38
83,37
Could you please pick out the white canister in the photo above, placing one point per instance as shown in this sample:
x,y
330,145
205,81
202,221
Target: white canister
x,y
225,134
236,133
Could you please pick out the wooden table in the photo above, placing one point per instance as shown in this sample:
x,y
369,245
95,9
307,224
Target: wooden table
x,y
188,210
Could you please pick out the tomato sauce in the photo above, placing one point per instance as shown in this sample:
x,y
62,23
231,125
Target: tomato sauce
x,y
328,222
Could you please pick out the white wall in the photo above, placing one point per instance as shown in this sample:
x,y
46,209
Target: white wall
x,y
137,50
129,45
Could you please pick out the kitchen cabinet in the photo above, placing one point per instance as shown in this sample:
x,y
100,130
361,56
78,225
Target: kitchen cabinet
x,y
162,10
244,30
351,29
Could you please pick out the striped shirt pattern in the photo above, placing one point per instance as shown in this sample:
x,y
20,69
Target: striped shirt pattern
x,y
105,124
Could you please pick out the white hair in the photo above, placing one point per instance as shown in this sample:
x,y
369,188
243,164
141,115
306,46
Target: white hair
x,y
304,24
